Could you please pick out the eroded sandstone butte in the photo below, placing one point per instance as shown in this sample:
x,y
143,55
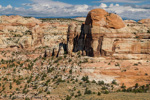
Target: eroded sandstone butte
x,y
119,50
106,34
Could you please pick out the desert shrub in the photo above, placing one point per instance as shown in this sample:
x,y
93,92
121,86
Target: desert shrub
x,y
69,60
5,79
60,80
25,91
137,89
80,83
17,89
43,76
79,93
93,81
106,92
48,92
14,97
114,82
40,92
87,91
49,70
76,80
98,93
10,86
30,66
85,79
123,86
101,83
18,82
104,88
129,89
68,97
30,79
136,85
70,71
27,98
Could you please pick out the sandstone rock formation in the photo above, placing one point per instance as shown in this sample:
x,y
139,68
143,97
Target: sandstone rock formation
x,y
105,34
30,33
101,18
147,21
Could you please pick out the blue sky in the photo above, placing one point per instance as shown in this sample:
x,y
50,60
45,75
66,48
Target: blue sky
x,y
129,9
18,3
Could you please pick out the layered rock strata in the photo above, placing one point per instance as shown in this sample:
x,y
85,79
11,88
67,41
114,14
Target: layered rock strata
x,y
30,33
105,34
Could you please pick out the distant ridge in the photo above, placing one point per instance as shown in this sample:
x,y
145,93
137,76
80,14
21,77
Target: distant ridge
x,y
81,16
61,17
66,17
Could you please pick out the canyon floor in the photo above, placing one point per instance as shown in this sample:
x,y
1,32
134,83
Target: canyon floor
x,y
74,77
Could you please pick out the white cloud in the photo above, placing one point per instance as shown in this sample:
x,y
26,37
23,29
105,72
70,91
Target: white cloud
x,y
50,8
129,12
121,1
8,7
102,5
51,3
81,8
117,5
111,5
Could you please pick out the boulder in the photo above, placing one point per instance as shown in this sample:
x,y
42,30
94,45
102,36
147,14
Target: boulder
x,y
101,18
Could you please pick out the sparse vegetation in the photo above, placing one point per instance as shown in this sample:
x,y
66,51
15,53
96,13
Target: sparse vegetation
x,y
26,73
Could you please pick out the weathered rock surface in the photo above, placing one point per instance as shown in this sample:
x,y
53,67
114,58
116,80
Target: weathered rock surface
x,y
105,34
128,72
101,18
144,21
30,33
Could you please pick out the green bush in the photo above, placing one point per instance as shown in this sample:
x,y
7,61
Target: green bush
x,y
85,79
123,86
93,81
48,92
104,88
114,82
10,86
68,97
27,98
99,93
101,83
87,91
106,92
18,82
136,85
79,93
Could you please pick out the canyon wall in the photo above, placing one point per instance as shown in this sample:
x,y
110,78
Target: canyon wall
x,y
106,34
30,33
